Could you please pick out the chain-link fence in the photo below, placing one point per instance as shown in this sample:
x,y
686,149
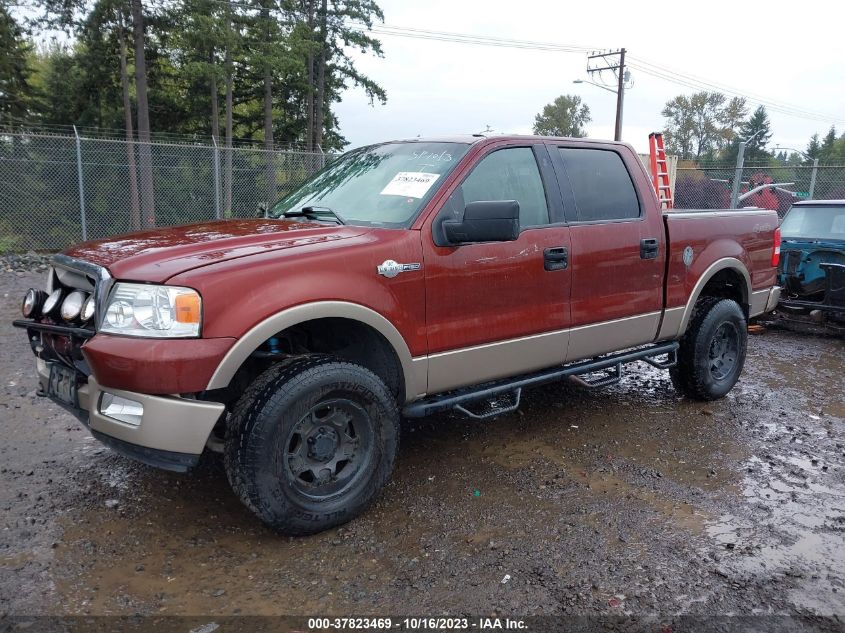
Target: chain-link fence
x,y
711,187
57,190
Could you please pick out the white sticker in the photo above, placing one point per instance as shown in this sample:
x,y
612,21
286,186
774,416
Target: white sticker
x,y
411,184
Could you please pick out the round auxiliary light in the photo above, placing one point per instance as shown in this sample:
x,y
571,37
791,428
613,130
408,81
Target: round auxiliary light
x,y
88,309
32,302
52,301
72,305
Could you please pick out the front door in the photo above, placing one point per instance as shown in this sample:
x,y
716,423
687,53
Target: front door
x,y
499,308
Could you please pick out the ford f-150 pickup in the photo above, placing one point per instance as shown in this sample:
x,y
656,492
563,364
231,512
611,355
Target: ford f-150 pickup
x,y
406,278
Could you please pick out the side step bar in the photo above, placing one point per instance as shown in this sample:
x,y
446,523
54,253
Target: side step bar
x,y
460,397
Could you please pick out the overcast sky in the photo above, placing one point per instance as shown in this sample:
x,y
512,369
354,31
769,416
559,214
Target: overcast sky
x,y
787,52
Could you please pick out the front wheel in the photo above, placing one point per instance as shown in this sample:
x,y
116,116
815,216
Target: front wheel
x,y
311,443
712,351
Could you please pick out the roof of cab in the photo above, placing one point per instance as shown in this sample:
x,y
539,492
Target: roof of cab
x,y
481,138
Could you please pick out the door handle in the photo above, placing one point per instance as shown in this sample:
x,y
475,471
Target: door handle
x,y
649,248
556,258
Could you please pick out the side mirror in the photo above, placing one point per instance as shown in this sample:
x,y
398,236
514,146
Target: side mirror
x,y
261,212
485,221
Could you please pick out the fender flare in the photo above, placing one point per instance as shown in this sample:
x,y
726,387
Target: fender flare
x,y
730,263
415,371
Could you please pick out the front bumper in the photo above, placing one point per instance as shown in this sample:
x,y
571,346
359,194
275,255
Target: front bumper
x,y
172,433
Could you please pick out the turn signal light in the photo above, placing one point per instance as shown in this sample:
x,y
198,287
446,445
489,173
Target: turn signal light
x,y
188,308
776,249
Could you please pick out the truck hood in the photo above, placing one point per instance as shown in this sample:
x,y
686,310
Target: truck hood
x,y
159,254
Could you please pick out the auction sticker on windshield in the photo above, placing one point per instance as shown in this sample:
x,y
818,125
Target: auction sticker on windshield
x,y
411,184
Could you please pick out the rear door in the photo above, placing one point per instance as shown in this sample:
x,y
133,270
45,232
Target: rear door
x,y
499,308
618,249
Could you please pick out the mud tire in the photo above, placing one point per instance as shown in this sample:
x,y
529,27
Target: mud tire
x,y
273,410
698,374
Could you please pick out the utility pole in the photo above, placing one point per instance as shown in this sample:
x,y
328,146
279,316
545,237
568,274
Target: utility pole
x,y
617,66
740,163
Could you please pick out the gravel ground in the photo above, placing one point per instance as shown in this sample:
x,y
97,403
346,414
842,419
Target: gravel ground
x,y
624,501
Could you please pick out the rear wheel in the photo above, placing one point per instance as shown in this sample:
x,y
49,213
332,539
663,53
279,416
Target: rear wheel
x,y
712,351
311,443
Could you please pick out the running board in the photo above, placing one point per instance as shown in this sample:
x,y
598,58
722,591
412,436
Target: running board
x,y
458,398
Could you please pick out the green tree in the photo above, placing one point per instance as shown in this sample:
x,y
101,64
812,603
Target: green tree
x,y
266,70
832,149
758,127
731,118
702,124
814,147
565,116
679,131
16,95
327,32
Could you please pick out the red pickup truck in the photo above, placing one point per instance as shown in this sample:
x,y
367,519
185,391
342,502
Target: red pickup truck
x,y
406,278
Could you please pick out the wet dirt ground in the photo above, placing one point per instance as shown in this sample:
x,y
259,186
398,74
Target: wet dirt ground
x,y
628,500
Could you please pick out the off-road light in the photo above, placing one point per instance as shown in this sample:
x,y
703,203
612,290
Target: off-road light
x,y
88,309
52,301
32,302
72,305
122,409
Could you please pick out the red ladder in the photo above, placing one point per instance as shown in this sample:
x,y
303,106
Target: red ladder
x,y
660,170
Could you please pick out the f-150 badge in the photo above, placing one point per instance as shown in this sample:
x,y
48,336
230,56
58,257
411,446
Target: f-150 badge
x,y
391,268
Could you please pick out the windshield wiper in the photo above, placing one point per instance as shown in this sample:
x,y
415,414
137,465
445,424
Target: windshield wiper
x,y
314,212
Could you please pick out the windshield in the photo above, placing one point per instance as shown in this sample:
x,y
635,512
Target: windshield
x,y
816,223
381,185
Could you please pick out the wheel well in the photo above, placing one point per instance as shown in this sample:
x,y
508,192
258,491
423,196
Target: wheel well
x,y
727,284
345,338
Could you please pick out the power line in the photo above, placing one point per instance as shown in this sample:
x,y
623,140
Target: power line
x,y
640,64
484,40
694,82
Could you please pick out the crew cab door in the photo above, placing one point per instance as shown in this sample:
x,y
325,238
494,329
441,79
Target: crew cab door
x,y
495,309
618,248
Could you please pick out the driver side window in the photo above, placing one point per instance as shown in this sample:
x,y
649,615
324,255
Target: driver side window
x,y
505,174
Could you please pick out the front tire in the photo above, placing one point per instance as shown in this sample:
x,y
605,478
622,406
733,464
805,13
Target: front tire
x,y
311,443
712,351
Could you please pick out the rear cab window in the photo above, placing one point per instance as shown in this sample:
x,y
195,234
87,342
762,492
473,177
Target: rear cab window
x,y
601,186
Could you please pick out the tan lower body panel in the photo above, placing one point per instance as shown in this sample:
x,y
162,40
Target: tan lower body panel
x,y
763,301
671,326
587,341
172,424
472,365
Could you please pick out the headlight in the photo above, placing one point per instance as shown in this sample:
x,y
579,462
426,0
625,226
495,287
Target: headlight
x,y
153,311
88,308
32,302
52,301
72,305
